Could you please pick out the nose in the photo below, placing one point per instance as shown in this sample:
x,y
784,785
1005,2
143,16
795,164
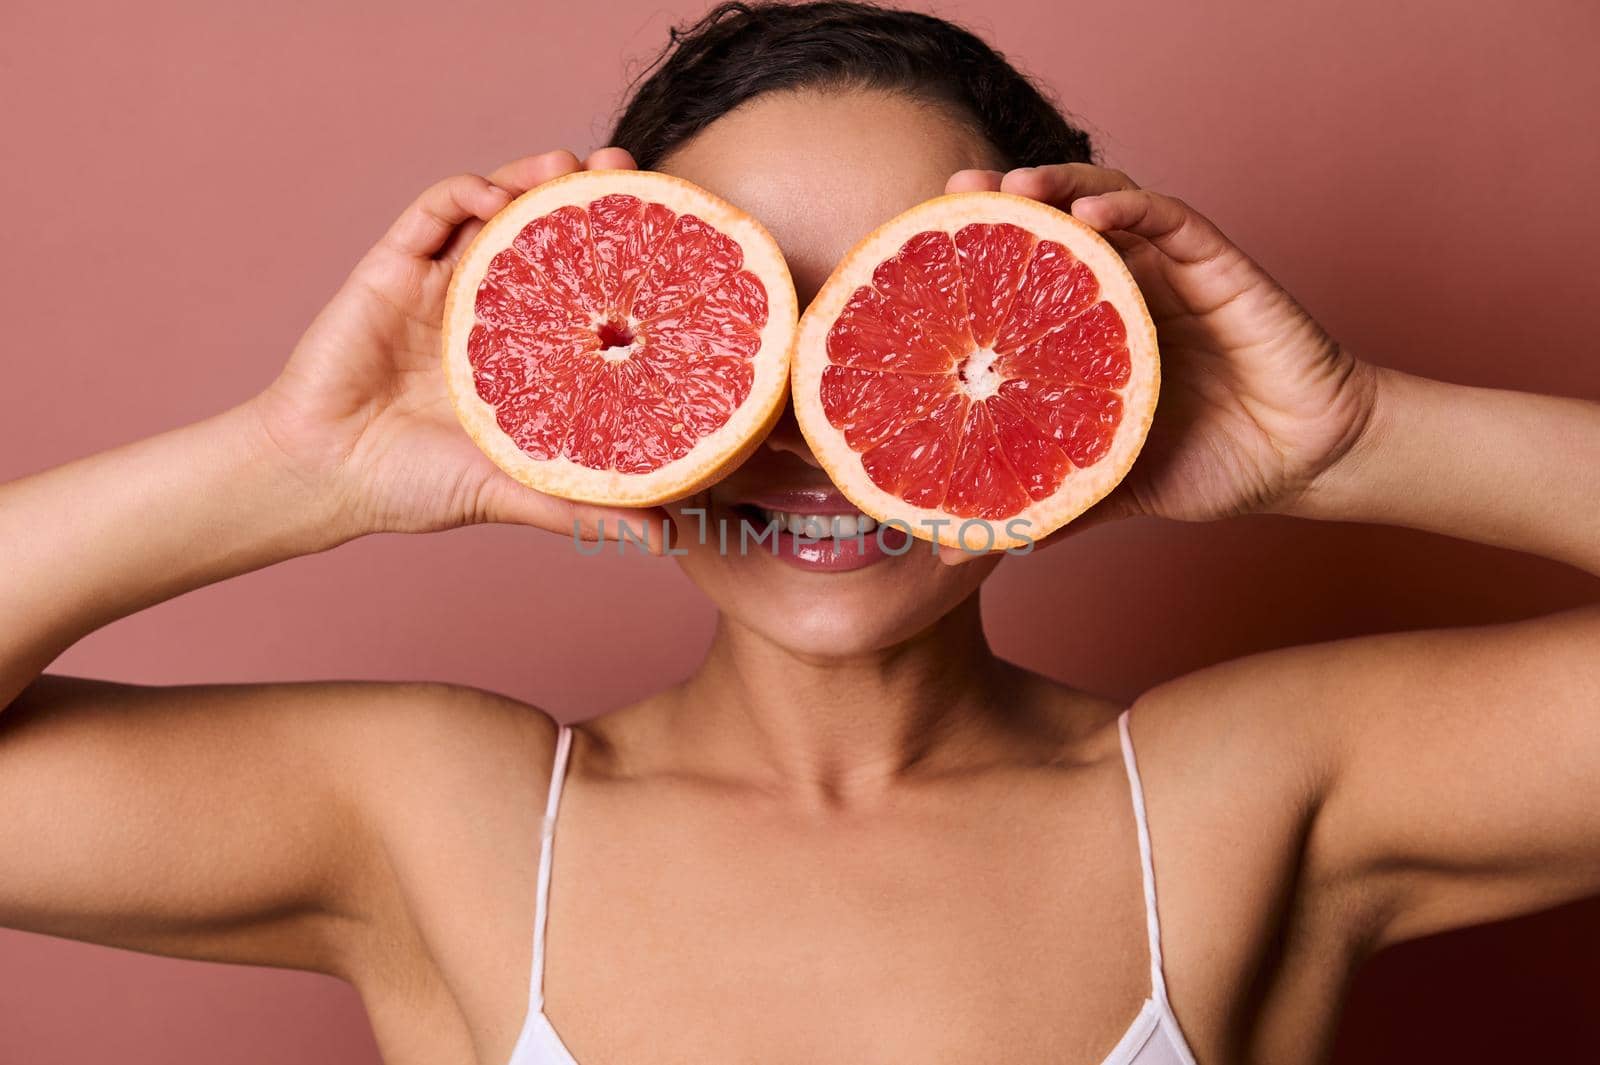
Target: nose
x,y
786,436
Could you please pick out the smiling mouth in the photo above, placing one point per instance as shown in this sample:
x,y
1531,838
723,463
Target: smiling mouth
x,y
818,532
843,525
815,511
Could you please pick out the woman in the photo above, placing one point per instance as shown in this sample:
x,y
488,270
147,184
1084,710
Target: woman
x,y
853,834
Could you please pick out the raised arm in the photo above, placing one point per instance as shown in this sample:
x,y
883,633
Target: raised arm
x,y
1512,469
234,822
1453,776
1462,767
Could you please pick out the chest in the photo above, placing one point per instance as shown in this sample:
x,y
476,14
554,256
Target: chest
x,y
933,933
1001,922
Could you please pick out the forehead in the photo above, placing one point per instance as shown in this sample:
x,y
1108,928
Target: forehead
x,y
821,169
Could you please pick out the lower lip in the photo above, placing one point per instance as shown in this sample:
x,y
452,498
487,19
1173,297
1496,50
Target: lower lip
x,y
843,554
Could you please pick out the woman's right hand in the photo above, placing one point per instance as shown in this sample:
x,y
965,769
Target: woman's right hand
x,y
361,411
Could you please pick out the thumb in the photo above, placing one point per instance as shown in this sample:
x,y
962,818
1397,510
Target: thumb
x,y
512,503
1114,507
1119,504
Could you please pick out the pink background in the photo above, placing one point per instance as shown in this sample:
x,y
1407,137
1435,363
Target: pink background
x,y
186,183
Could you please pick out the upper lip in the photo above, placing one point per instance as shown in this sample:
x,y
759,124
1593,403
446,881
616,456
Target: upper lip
x,y
813,499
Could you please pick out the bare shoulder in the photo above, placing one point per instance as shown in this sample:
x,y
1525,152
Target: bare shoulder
x,y
376,747
378,713
288,806
1315,710
1353,783
1235,761
428,727
1251,721
425,762
451,783
447,783
1269,731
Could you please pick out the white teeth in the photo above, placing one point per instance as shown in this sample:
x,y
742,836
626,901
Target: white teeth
x,y
820,526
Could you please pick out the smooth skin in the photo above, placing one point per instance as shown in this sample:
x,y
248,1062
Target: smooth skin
x,y
854,834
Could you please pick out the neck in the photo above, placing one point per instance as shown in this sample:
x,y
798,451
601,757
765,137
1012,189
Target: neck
x,y
836,729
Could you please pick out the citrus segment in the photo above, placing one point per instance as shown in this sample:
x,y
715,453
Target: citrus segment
x,y
992,258
872,405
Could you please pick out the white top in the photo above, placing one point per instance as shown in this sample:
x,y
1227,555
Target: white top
x,y
1152,1039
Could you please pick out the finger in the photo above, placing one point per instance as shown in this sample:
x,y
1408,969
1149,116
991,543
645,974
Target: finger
x,y
1125,242
459,242
614,527
509,502
1063,183
520,175
974,181
515,177
971,548
956,556
424,227
1114,507
1182,233
1117,505
610,159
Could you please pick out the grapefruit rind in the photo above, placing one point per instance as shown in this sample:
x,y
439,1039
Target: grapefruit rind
x,y
949,213
714,454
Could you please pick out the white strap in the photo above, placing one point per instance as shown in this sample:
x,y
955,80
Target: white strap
x,y
1158,983
547,834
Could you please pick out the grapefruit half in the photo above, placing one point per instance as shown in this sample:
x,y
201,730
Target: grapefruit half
x,y
981,369
619,337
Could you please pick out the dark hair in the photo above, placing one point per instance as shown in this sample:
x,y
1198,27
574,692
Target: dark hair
x,y
738,51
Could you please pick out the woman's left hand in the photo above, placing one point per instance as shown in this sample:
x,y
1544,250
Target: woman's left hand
x,y
1257,400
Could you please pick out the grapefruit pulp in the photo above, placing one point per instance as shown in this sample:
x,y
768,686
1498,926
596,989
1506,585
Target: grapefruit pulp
x,y
619,337
980,360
